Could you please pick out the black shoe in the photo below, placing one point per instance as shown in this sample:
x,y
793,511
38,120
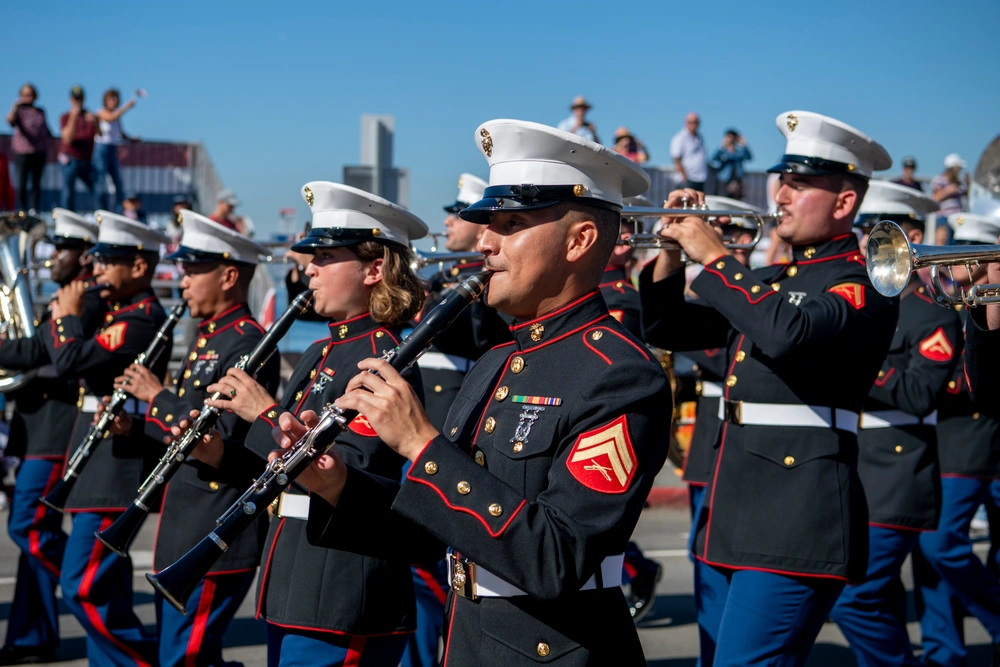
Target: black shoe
x,y
642,589
26,655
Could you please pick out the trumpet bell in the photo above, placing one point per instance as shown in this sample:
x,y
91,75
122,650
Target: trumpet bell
x,y
889,259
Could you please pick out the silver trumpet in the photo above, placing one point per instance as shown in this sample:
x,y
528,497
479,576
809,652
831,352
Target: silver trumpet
x,y
421,259
653,241
891,259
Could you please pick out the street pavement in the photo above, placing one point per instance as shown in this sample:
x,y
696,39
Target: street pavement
x,y
668,632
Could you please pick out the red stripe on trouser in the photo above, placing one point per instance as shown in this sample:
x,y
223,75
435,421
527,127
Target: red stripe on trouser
x,y
93,615
200,621
34,544
432,584
354,651
447,639
630,568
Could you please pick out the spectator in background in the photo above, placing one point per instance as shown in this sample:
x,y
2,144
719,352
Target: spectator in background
x,y
578,123
132,208
629,146
687,148
30,145
106,153
225,209
949,189
78,128
728,163
6,187
907,179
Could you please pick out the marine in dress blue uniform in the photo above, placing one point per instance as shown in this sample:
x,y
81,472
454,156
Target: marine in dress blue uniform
x,y
785,519
217,264
44,411
330,607
970,467
96,583
898,452
551,447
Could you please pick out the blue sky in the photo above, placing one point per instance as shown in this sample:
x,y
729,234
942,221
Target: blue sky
x,y
276,90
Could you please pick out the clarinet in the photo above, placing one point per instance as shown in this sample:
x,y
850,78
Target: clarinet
x,y
119,535
57,497
177,582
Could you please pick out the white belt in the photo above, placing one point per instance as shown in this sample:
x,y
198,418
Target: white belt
x,y
887,418
782,414
711,390
479,582
293,506
132,406
445,362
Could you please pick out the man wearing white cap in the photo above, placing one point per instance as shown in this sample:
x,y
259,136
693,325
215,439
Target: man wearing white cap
x,y
898,444
547,457
44,412
96,583
785,521
322,606
970,467
217,265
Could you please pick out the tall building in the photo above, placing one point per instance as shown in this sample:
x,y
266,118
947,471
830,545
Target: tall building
x,y
376,173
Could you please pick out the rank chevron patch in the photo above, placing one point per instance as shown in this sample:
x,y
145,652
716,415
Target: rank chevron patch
x,y
937,347
113,337
603,459
853,292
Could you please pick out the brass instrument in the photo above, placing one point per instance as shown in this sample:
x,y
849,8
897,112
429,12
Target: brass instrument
x,y
653,241
421,259
18,231
891,259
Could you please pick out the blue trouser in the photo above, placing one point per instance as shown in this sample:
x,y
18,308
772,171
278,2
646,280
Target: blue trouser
x,y
953,569
941,614
196,639
288,647
106,164
430,585
37,532
867,612
97,588
710,585
71,171
769,619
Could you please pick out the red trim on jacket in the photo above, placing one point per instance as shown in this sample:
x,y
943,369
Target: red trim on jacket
x,y
764,293
521,325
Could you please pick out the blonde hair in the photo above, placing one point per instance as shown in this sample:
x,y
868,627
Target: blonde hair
x,y
398,297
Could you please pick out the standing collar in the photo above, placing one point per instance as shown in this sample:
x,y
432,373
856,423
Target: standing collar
x,y
342,330
838,246
615,274
224,319
135,299
561,322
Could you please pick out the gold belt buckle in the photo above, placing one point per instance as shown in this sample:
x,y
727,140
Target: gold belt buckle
x,y
733,411
463,577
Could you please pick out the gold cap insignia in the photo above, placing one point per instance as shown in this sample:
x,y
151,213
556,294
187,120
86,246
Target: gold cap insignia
x,y
308,193
99,218
461,182
792,122
376,231
578,190
959,220
487,142
851,167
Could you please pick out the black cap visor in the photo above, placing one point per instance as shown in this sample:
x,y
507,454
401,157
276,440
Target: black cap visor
x,y
526,197
194,256
457,207
337,237
811,166
68,242
114,251
869,220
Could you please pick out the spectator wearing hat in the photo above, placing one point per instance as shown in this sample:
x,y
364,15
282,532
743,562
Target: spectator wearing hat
x,y
578,123
30,145
950,190
687,148
78,128
728,162
629,146
909,169
225,208
107,141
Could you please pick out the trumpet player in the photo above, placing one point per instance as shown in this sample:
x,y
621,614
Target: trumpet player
x,y
785,520
217,264
45,409
547,456
969,434
898,444
326,607
96,583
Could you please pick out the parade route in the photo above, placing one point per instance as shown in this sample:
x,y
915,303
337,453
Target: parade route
x,y
668,632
